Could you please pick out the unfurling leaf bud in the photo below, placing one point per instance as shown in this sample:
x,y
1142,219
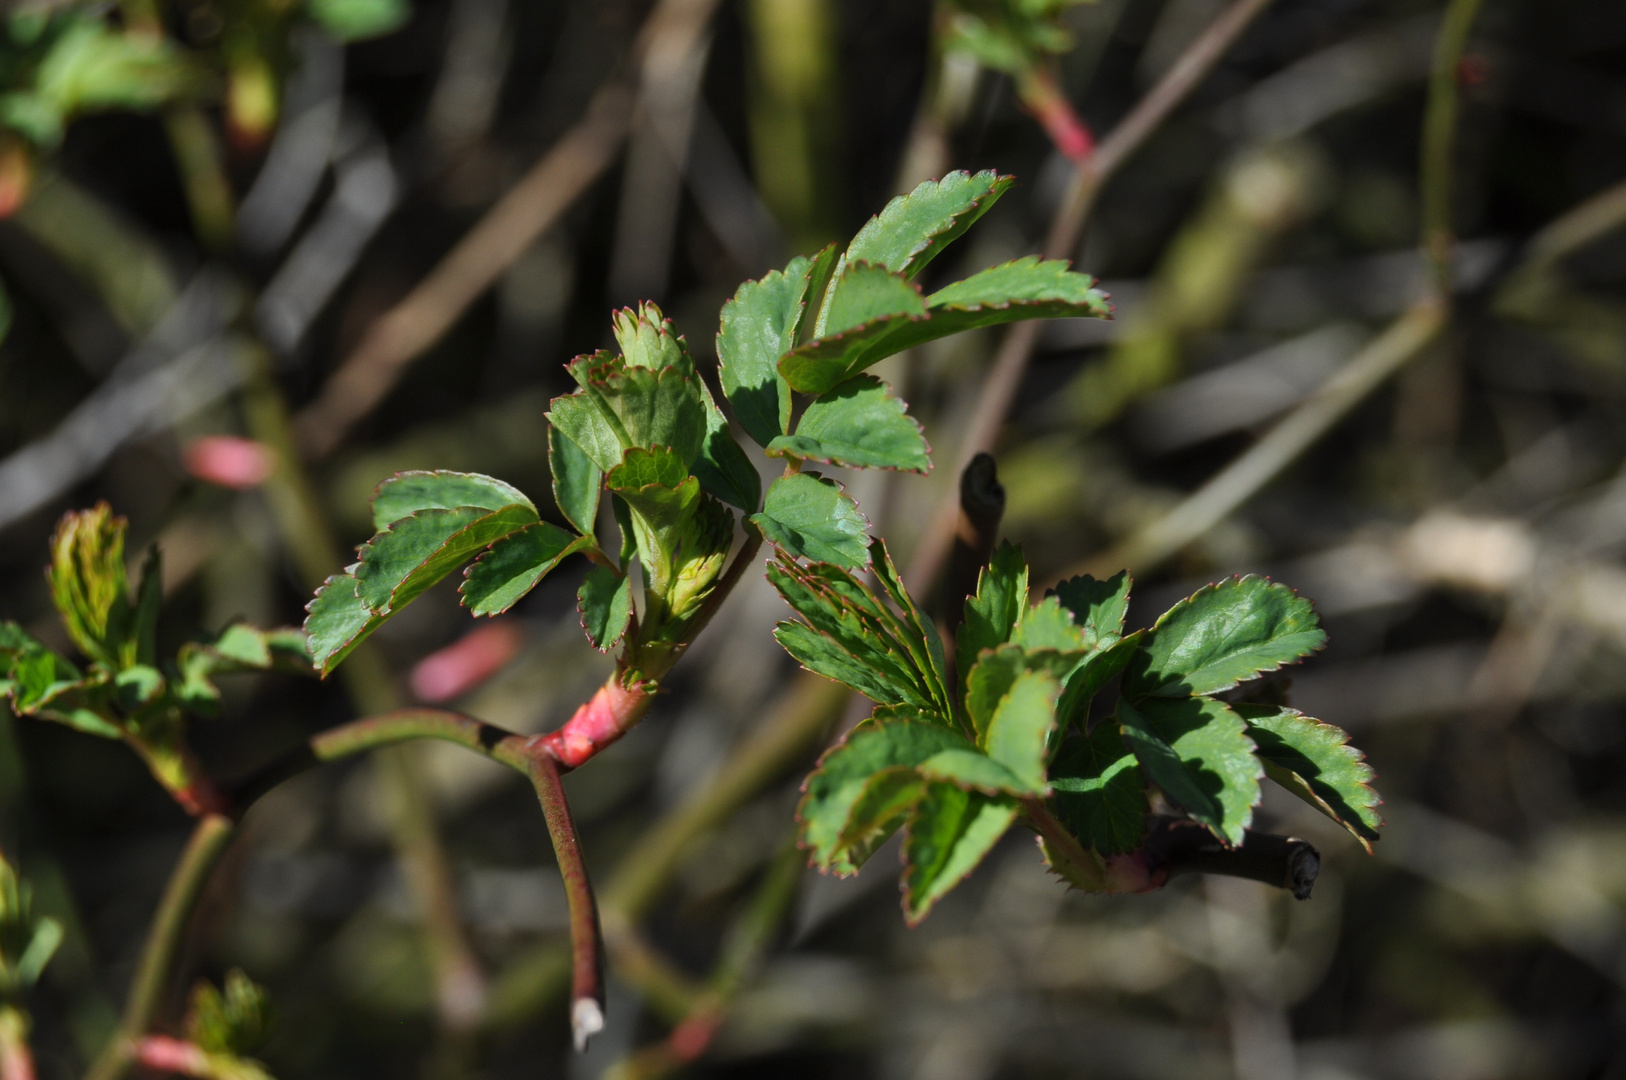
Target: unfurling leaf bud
x,y
702,549
88,584
647,341
26,943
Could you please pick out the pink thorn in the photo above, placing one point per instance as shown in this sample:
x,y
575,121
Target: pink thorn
x,y
467,663
229,461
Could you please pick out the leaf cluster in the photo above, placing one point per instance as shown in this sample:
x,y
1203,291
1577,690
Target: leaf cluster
x,y
955,769
1011,36
125,692
816,326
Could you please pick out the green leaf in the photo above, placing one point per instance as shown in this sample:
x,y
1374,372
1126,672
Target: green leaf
x,y
355,20
1222,635
722,467
662,496
89,584
991,614
824,655
1198,752
640,406
882,804
577,482
92,67
859,629
39,677
1099,791
974,771
238,648
604,602
811,517
1018,734
996,672
950,833
843,774
758,326
917,633
1015,291
863,295
1314,761
1098,607
580,419
1087,679
337,621
231,1023
826,265
514,564
1048,625
149,599
857,424
412,554
913,228
406,493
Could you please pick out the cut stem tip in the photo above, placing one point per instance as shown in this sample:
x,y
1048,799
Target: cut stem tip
x,y
586,1020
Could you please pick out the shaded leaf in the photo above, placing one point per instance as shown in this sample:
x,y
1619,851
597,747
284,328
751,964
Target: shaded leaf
x,y
844,773
577,481
604,602
1223,634
1092,673
823,655
723,468
238,648
857,424
918,633
1098,607
1313,760
992,612
809,516
406,493
950,832
913,228
1099,791
514,565
882,804
1015,291
1197,751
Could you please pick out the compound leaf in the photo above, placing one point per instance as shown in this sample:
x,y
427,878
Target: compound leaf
x,y
1197,750
860,425
406,493
996,672
1222,635
949,834
1099,791
604,602
577,481
1313,760
809,516
913,228
839,782
514,564
824,655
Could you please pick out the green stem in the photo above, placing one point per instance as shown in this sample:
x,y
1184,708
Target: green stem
x,y
203,851
208,192
1439,140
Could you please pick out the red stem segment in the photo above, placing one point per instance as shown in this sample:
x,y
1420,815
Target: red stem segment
x,y
586,941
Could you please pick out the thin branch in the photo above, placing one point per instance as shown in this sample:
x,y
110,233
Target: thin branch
x,y
1016,349
1440,139
203,851
1178,846
586,941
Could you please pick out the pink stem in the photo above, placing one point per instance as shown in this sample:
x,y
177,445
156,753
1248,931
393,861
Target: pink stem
x,y
1044,99
169,1055
600,721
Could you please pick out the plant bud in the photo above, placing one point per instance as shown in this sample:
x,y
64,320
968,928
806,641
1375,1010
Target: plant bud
x,y
646,339
88,584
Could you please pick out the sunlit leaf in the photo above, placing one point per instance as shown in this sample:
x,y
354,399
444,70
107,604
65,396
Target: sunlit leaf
x,y
858,424
809,516
1197,751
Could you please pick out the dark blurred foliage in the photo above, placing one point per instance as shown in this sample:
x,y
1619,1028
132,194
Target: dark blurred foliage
x,y
1461,532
